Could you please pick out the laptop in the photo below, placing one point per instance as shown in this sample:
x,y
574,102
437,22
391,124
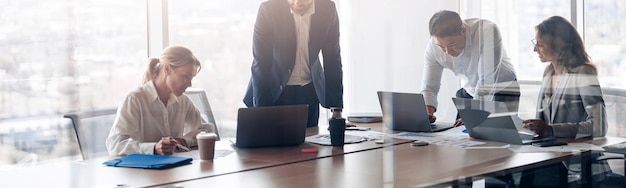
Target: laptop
x,y
489,120
271,126
407,112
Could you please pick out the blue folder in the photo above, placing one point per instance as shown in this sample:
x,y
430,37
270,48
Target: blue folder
x,y
148,161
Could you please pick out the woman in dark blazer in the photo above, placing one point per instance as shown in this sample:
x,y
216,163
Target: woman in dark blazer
x,y
570,103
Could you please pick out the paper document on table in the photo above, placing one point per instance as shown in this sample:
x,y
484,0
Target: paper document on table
x,y
371,135
324,139
520,126
570,147
456,132
442,138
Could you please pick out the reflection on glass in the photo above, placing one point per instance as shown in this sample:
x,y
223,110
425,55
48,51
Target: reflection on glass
x,y
516,21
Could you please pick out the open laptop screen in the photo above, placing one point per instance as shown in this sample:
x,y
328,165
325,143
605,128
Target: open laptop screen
x,y
490,120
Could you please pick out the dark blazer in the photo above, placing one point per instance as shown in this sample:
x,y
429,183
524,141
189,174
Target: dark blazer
x,y
577,108
274,50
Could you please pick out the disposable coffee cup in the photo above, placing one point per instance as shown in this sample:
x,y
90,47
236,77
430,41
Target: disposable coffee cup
x,y
337,131
206,145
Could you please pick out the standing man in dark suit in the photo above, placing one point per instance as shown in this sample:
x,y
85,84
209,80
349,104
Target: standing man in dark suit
x,y
288,38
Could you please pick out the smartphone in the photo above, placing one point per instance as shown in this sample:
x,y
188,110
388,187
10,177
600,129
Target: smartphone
x,y
548,144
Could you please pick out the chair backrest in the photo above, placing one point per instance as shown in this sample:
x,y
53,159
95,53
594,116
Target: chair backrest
x,y
200,100
615,101
92,128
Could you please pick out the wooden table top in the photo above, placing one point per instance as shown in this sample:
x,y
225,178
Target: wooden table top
x,y
401,165
366,164
92,173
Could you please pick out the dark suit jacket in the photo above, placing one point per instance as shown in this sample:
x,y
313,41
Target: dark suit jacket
x,y
274,50
577,108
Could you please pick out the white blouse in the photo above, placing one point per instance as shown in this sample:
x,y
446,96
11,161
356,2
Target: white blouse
x,y
142,120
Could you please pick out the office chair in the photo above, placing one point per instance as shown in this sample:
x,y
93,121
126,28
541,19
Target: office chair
x,y
589,170
200,100
92,128
615,101
613,179
613,152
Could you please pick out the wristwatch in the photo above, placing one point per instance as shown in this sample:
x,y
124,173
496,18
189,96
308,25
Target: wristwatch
x,y
335,109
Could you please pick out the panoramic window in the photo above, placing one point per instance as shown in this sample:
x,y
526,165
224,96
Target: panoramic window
x,y
220,34
61,56
516,21
605,43
605,40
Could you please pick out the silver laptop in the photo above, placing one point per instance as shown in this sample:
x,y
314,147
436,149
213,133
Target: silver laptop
x,y
407,112
490,120
271,126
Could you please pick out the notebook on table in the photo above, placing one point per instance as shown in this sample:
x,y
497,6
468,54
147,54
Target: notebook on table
x,y
148,161
489,120
271,126
407,112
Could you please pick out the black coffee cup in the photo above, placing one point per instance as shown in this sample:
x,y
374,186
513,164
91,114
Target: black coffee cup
x,y
337,131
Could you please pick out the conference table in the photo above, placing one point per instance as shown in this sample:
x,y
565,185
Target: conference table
x,y
92,173
402,165
392,164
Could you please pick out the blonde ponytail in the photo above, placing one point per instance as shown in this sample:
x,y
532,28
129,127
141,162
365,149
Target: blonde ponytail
x,y
154,67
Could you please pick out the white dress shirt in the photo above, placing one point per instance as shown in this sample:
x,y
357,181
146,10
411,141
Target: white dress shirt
x,y
483,66
301,73
142,120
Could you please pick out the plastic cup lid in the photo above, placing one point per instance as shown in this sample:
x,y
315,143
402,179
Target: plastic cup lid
x,y
205,135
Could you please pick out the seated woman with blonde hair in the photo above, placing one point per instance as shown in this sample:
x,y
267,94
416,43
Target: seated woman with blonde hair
x,y
154,117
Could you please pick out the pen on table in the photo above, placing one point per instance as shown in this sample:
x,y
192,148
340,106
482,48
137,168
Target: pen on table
x,y
177,144
182,147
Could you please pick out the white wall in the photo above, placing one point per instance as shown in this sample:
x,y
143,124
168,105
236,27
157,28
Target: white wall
x,y
383,46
